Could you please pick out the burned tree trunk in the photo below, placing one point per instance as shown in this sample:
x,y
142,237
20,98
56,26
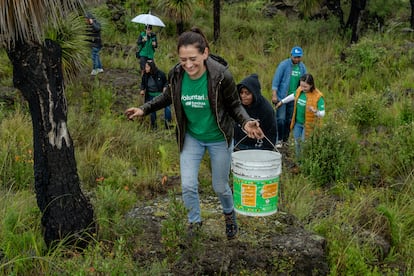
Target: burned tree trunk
x,y
216,16
335,7
66,212
357,6
412,14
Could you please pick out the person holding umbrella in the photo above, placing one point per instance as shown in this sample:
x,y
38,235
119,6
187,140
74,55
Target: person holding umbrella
x,y
147,42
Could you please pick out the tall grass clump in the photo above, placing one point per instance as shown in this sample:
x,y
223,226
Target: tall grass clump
x,y
111,204
6,70
21,242
399,211
329,155
299,196
173,229
100,258
16,151
407,113
365,230
398,150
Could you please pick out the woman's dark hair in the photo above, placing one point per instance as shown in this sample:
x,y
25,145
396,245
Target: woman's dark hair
x,y
193,37
153,67
308,78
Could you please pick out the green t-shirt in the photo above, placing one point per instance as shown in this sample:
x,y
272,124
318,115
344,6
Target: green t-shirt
x,y
147,49
294,79
301,108
201,122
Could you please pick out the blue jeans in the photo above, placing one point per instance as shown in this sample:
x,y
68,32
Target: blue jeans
x,y
190,159
299,136
283,118
96,60
167,114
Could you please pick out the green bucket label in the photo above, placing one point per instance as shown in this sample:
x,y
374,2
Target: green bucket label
x,y
255,197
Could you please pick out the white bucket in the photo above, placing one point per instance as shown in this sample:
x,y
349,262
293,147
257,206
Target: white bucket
x,y
256,181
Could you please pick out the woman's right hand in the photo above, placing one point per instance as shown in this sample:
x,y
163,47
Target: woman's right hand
x,y
278,104
133,112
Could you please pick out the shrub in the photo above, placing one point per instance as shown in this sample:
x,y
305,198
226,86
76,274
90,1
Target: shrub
x,y
16,154
110,206
329,154
364,111
399,149
173,228
407,113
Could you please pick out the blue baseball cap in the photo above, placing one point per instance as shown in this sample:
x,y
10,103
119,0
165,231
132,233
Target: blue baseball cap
x,y
296,52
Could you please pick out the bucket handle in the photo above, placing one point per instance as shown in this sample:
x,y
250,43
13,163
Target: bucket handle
x,y
259,141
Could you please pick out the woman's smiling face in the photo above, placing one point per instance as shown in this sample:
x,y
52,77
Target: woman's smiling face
x,y
305,86
192,60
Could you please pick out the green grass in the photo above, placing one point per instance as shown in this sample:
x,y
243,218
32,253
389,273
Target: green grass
x,y
356,181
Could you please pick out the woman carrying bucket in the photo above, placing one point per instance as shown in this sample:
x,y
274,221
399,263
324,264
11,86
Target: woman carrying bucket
x,y
309,108
259,108
206,103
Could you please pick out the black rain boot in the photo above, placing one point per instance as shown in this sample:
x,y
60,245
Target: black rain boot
x,y
231,225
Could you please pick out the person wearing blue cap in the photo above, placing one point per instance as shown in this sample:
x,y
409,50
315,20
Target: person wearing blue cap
x,y
285,82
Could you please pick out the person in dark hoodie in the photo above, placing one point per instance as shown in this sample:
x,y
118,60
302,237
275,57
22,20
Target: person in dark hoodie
x,y
260,109
204,95
94,37
153,83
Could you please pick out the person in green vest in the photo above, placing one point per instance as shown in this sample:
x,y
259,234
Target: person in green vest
x,y
147,42
206,104
309,108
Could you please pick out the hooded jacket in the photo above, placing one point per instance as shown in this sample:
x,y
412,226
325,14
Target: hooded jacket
x,y
222,95
94,32
160,81
260,109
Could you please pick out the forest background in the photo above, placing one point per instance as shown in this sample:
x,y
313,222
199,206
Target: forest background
x,y
356,182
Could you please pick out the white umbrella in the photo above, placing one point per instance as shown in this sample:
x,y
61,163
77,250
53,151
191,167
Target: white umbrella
x,y
148,19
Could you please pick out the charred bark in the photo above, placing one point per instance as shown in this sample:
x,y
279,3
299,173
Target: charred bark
x,y
180,27
66,212
412,14
357,6
335,7
216,16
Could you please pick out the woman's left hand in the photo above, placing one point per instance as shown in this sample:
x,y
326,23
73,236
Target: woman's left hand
x,y
253,130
